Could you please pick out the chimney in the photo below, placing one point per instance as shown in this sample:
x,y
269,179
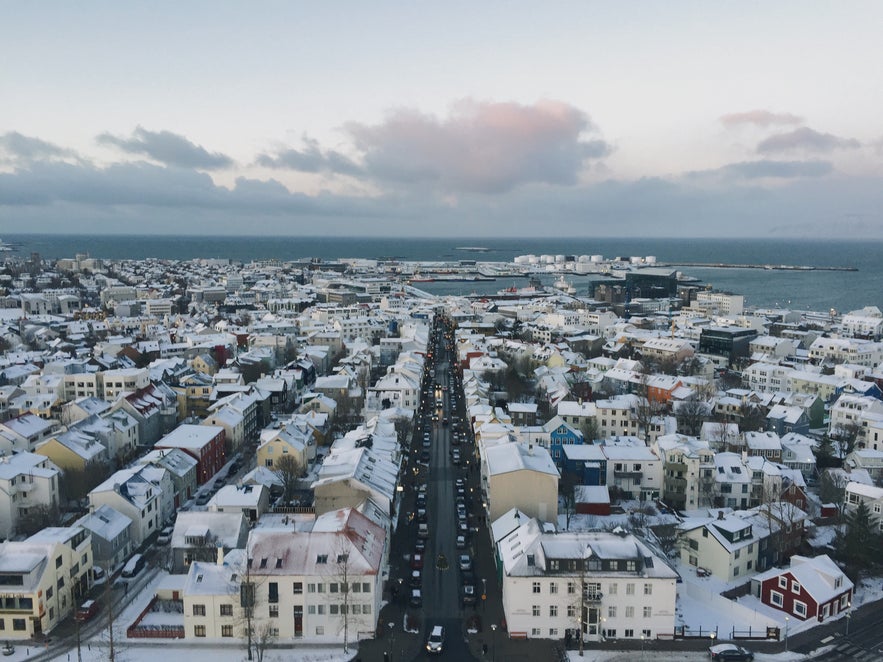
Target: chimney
x,y
720,514
220,555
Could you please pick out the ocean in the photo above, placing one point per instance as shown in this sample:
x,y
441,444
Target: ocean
x,y
802,290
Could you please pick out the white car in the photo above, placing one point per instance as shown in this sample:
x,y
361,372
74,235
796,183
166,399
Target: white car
x,y
436,640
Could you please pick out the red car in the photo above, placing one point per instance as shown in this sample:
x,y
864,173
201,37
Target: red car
x,y
417,561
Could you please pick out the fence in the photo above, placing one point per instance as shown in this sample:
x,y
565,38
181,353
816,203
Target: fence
x,y
159,631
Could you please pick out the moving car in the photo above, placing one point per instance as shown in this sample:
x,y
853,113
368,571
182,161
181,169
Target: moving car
x,y
728,652
461,542
417,562
465,562
86,611
469,597
436,641
416,599
165,536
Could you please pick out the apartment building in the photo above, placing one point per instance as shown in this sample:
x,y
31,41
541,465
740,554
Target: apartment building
x,y
598,585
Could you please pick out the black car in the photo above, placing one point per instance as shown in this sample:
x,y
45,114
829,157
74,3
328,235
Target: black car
x,y
424,457
730,652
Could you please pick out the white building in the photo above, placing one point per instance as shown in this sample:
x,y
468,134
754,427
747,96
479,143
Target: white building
x,y
608,585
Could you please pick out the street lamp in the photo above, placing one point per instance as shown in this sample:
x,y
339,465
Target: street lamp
x,y
848,616
786,633
494,635
713,635
392,638
642,646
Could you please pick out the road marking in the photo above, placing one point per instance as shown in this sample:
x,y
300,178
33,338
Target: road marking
x,y
827,639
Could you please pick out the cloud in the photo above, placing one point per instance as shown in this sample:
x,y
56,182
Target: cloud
x,y
481,147
768,169
310,159
168,148
23,149
805,139
758,117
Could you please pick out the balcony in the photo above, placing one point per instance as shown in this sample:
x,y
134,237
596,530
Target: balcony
x,y
592,597
625,473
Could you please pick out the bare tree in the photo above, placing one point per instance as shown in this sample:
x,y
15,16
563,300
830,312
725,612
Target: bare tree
x,y
341,578
848,436
288,470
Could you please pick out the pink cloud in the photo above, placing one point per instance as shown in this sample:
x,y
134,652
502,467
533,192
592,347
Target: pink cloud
x,y
481,146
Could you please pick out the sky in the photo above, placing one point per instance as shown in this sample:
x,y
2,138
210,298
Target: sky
x,y
654,119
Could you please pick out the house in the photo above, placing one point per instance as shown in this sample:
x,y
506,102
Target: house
x,y
764,444
132,493
596,585
250,500
867,459
634,471
296,574
688,471
798,453
585,463
282,442
111,536
43,580
725,545
871,496
560,434
518,476
523,413
24,433
28,483
74,451
198,535
812,587
181,468
348,478
205,443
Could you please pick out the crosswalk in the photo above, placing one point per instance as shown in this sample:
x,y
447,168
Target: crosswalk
x,y
848,651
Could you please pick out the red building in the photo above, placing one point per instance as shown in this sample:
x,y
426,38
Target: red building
x,y
204,443
813,587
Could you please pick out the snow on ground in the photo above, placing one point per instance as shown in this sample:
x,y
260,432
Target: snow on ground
x,y
171,652
823,535
630,509
673,656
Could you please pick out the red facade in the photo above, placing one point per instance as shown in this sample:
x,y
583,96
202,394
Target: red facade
x,y
792,591
210,456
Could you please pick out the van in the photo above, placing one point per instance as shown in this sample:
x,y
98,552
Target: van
x,y
134,566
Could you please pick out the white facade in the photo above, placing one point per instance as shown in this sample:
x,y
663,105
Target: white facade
x,y
608,585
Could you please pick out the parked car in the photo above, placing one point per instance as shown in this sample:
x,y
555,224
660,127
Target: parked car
x,y
164,537
702,572
423,530
469,597
461,542
203,499
420,546
417,561
416,579
424,457
436,641
465,562
133,567
416,599
729,652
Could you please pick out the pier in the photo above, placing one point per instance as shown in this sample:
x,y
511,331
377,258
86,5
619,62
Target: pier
x,y
769,267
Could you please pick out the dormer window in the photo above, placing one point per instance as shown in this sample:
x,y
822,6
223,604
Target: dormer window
x,y
322,559
530,560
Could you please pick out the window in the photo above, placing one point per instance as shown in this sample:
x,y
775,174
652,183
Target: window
x,y
553,588
226,610
311,588
553,632
322,558
629,612
571,588
357,609
320,629
366,609
611,611
366,587
648,589
614,588
795,587
333,609
610,633
273,593
199,610
553,611
274,611
536,610
694,544
535,632
226,630
311,609
332,587
536,587
199,631
321,609
629,633
298,588
320,588
571,611
800,608
646,633
783,582
648,612
629,589
776,598
826,611
58,562
49,592
844,601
